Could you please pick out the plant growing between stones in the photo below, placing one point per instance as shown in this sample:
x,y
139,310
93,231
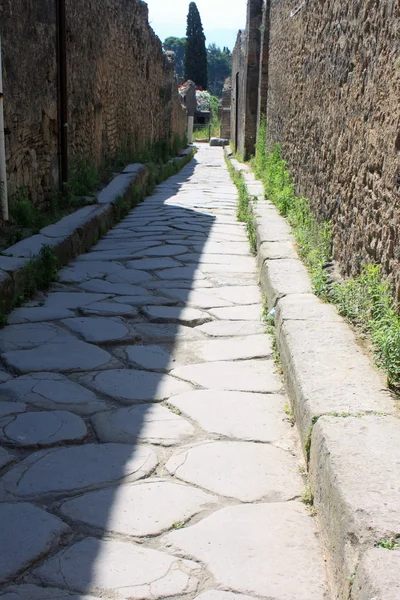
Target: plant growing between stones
x,y
389,543
366,301
244,212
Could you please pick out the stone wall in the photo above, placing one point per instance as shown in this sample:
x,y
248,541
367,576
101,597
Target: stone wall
x,y
121,86
225,110
333,103
245,81
329,80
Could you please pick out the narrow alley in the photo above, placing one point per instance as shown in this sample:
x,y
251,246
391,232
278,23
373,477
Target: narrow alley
x,y
146,447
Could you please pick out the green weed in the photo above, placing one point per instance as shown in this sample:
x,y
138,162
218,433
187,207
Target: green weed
x,y
389,544
366,301
244,211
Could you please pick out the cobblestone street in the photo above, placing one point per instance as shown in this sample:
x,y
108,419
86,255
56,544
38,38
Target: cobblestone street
x,y
146,452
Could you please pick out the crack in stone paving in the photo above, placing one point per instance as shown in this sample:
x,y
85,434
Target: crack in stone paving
x,y
202,504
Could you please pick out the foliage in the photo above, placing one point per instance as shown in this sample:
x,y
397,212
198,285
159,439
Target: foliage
x,y
177,45
244,212
195,63
219,68
214,128
366,300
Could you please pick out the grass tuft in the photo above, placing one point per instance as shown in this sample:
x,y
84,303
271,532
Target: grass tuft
x,y
366,301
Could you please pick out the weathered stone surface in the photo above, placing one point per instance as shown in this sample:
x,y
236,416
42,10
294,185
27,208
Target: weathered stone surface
x,y
59,300
70,356
120,568
132,386
218,595
153,358
20,337
276,251
327,372
250,312
53,391
4,376
280,278
188,273
246,376
354,473
171,314
165,250
153,264
34,592
153,424
42,428
242,470
11,408
305,307
251,346
6,458
109,308
121,289
82,271
232,328
377,576
26,534
130,276
97,329
60,471
196,298
160,332
141,509
36,314
251,417
269,550
146,300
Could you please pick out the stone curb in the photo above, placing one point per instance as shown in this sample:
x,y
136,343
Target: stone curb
x,y
345,416
76,233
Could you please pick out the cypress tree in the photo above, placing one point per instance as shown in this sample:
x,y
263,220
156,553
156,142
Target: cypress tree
x,y
196,53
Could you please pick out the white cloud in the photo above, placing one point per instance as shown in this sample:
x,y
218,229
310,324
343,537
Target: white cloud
x,y
221,18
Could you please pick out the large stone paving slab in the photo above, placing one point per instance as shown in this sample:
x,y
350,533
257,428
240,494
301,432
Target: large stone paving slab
x,y
60,300
6,458
97,329
218,595
170,314
34,592
250,417
109,309
236,348
199,299
36,429
63,358
25,336
120,289
166,332
241,470
53,391
133,386
11,408
120,569
38,313
82,271
232,328
247,376
269,550
141,509
26,533
153,424
250,312
61,471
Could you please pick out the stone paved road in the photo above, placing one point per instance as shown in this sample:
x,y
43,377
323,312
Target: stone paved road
x,y
145,452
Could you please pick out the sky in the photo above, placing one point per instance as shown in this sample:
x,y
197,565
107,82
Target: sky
x,y
221,19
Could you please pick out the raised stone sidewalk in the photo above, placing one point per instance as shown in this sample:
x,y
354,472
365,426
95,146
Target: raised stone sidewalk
x,y
347,418
145,449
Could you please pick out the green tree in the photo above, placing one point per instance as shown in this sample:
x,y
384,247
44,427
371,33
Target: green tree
x,y
177,45
219,68
196,53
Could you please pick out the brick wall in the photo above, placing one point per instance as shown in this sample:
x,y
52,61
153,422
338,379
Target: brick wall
x,y
120,85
